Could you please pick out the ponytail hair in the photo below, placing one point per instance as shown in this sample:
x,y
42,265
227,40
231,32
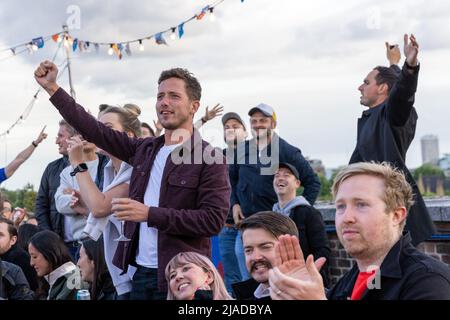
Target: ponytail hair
x,y
128,116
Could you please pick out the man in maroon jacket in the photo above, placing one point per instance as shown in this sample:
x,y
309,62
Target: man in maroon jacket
x,y
179,187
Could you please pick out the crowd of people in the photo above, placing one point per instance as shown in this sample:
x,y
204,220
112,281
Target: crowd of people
x,y
128,211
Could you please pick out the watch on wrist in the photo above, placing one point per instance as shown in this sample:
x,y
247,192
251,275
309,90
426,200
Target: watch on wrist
x,y
82,167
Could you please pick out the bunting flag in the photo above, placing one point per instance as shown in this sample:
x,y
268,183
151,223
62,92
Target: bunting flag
x,y
83,46
74,44
39,42
181,30
30,106
127,49
159,39
118,50
202,14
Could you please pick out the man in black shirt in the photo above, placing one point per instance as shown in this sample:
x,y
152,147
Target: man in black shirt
x,y
11,252
372,202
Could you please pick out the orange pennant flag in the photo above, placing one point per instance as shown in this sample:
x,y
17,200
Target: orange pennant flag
x,y
117,51
201,15
55,37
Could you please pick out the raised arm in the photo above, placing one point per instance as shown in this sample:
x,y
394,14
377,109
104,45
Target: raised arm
x,y
24,155
114,142
401,97
209,115
98,203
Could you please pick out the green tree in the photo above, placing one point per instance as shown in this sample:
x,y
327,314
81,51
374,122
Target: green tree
x,y
428,170
325,188
23,198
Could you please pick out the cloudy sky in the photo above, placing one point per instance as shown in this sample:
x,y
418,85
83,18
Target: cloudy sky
x,y
305,58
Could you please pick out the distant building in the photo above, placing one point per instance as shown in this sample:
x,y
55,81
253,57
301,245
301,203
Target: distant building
x,y
430,149
317,166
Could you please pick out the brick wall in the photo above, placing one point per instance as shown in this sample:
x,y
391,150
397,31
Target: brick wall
x,y
340,262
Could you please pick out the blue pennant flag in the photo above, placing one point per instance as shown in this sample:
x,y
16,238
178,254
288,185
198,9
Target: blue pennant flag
x,y
127,49
159,39
181,30
75,45
39,42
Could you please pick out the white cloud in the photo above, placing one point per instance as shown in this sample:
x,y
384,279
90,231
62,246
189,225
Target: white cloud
x,y
304,58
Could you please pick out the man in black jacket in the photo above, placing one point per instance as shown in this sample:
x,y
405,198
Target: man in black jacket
x,y
46,214
11,252
387,128
311,228
372,202
260,234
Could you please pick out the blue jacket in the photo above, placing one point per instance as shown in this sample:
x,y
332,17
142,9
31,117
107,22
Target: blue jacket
x,y
251,177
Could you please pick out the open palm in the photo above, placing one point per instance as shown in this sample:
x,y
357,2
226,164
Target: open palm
x,y
411,50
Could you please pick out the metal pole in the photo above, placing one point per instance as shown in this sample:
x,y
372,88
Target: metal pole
x,y
72,90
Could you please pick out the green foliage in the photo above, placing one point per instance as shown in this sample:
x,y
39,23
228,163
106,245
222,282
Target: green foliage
x,y
325,189
23,198
428,170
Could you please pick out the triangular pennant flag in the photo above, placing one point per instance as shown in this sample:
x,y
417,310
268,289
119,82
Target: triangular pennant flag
x,y
114,46
75,44
39,42
117,50
97,47
120,47
13,50
55,37
127,49
202,14
159,39
181,30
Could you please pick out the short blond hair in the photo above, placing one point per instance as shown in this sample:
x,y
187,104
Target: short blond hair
x,y
397,193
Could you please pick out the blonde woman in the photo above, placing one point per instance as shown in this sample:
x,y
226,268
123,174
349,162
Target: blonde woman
x,y
192,276
116,181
